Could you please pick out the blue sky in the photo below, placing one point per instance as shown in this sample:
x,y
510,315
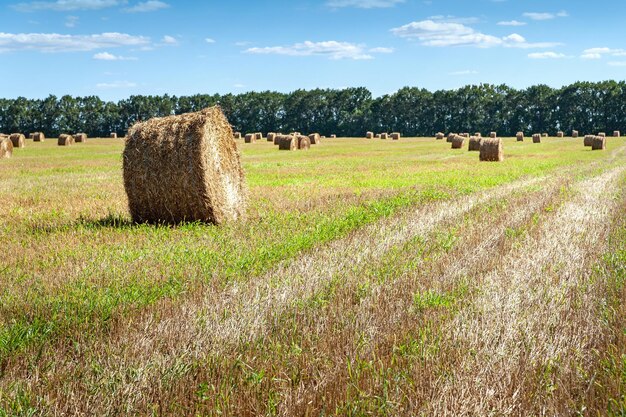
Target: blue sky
x,y
116,48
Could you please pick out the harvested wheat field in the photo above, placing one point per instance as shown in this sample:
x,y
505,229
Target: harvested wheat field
x,y
362,279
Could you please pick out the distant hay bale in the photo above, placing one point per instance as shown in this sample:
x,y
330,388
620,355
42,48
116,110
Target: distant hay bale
x,y
333,136
493,135
598,143
18,140
588,141
113,135
39,137
369,135
395,136
478,135
250,138
616,134
474,143
384,135
491,150
520,136
544,135
270,136
304,142
65,140
258,135
450,137
560,134
465,135
237,135
6,147
80,138
602,134
457,142
377,136
315,138
295,134
574,133
31,135
184,168
287,142
439,136
536,138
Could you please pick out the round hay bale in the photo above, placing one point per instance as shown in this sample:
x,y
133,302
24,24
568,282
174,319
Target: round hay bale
x,y
616,134
457,142
377,136
574,133
31,135
287,142
560,134
315,138
369,135
439,136
333,136
250,138
65,140
270,136
598,143
536,138
493,135
295,134
113,135
450,137
258,136
544,135
184,168
602,134
491,150
478,135
80,138
474,143
18,140
39,137
237,135
588,140
304,142
6,147
520,136
395,136
383,136
465,135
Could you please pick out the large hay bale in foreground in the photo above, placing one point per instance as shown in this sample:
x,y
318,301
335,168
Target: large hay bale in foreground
x,y
395,136
457,142
304,142
80,138
560,134
616,134
574,133
588,141
184,168
315,138
439,136
6,147
65,140
287,142
450,137
491,150
18,140
250,138
536,138
474,143
493,135
39,137
113,135
599,143
383,136
520,136
369,135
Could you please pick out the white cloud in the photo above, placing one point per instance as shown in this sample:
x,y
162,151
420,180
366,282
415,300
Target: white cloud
x,y
70,21
116,84
441,34
238,85
66,5
242,43
209,40
617,63
147,6
511,23
54,42
106,56
363,4
169,40
598,53
463,72
330,49
381,50
454,19
546,55
545,16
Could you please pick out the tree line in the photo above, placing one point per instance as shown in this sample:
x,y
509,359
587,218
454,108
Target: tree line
x,y
584,106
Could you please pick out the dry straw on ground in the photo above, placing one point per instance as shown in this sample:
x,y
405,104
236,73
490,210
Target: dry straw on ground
x,y
457,142
113,135
184,168
18,140
616,133
520,136
536,138
304,142
395,136
383,136
6,147
315,138
287,142
39,137
491,150
80,138
474,143
439,136
369,135
65,140
588,141
599,143
250,138
493,135
574,133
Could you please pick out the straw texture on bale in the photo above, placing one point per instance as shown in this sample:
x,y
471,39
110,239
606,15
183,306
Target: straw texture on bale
x,y
184,168
369,135
599,143
250,138
383,136
39,137
315,138
65,140
602,134
258,135
395,136
237,135
6,147
333,136
536,138
559,134
617,134
520,136
474,143
491,150
574,133
493,135
304,142
113,135
270,136
457,142
18,140
439,136
287,142
588,141
80,138
450,137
